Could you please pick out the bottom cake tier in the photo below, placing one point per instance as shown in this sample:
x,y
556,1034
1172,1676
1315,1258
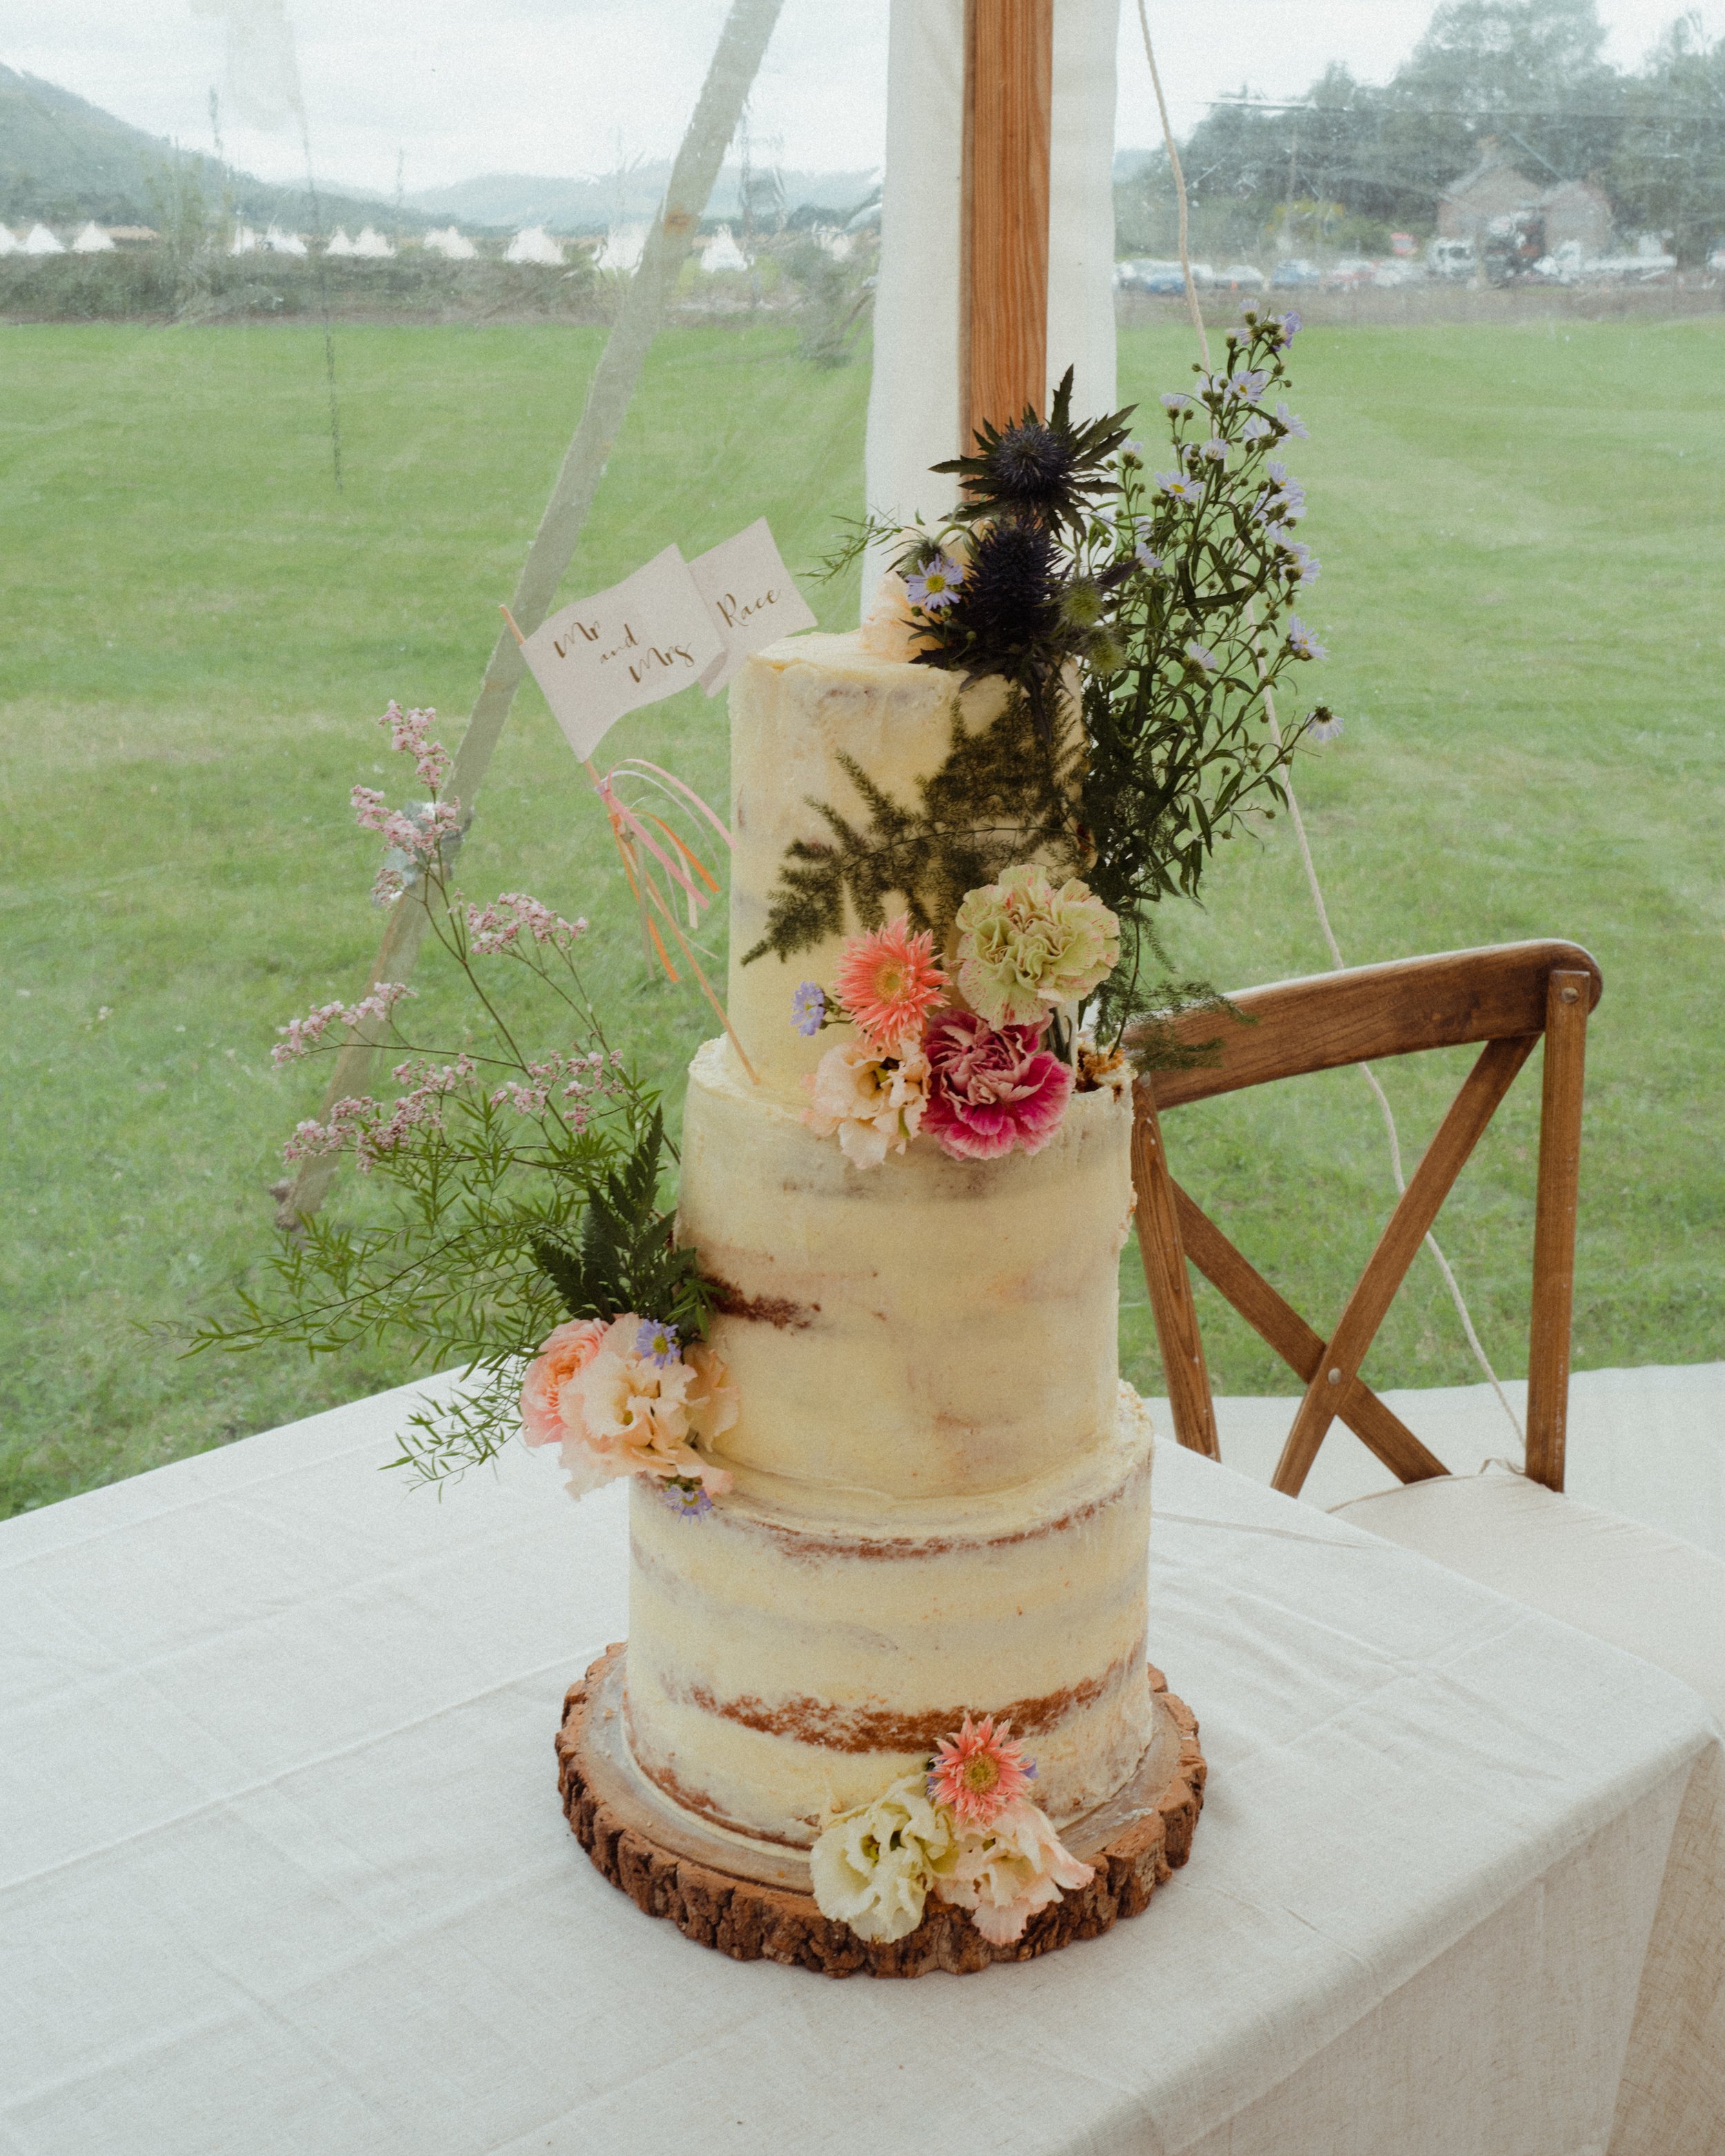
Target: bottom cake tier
x,y
787,1660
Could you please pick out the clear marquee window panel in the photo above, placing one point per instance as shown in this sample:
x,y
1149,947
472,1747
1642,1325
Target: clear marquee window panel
x,y
300,307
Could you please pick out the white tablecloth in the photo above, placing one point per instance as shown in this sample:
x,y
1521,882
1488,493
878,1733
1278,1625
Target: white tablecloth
x,y
283,1867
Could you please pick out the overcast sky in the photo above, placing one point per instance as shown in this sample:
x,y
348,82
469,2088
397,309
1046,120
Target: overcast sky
x,y
564,87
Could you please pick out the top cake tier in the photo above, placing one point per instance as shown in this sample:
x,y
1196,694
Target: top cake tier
x,y
797,708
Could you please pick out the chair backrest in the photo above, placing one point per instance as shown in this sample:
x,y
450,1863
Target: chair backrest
x,y
1506,996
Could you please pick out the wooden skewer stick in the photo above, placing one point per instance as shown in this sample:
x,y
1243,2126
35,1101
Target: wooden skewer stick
x,y
641,881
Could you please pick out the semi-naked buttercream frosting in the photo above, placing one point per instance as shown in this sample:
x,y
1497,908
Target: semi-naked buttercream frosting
x,y
941,1497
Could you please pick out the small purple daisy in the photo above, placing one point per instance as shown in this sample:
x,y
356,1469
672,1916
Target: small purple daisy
x,y
935,586
686,1499
1302,642
657,1343
809,1008
1323,725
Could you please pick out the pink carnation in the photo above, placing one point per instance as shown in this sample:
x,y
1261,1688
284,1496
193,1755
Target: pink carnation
x,y
991,1088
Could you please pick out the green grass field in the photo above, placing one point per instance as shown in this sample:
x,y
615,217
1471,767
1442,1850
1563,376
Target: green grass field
x,y
1521,534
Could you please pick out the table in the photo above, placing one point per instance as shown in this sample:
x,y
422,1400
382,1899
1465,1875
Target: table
x,y
283,1866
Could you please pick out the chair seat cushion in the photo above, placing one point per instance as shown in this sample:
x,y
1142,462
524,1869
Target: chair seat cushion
x,y
1655,1596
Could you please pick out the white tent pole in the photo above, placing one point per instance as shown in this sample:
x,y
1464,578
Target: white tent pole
x,y
735,62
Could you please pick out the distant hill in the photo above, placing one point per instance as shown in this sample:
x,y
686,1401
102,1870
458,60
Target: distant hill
x,y
591,205
62,159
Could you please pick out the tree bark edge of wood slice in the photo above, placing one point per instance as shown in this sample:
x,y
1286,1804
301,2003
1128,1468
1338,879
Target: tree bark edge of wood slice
x,y
750,1920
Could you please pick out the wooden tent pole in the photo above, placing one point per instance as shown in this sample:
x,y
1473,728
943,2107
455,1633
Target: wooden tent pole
x,y
1008,91
735,62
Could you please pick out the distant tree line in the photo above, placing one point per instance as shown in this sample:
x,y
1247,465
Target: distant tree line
x,y
1352,161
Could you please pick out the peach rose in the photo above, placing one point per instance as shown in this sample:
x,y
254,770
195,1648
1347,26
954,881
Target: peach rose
x,y
545,1404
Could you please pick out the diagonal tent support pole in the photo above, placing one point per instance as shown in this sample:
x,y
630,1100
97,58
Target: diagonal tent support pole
x,y
737,61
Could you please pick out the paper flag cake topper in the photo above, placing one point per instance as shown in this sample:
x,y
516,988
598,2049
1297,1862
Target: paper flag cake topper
x,y
673,622
751,596
645,637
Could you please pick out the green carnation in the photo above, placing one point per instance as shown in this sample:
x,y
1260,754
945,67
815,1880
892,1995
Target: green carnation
x,y
1023,944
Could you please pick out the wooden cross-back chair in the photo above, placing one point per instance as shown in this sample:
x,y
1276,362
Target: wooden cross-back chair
x,y
1508,996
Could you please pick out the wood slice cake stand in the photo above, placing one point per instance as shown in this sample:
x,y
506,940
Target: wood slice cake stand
x,y
754,1903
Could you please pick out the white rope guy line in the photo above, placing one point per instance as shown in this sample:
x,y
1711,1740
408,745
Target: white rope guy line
x,y
1310,866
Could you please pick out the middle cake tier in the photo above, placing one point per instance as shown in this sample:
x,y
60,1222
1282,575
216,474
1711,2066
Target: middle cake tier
x,y
929,1327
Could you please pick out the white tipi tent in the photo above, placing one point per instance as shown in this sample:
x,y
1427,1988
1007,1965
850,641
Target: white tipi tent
x,y
535,244
92,240
455,245
283,242
245,241
721,252
339,242
373,245
40,240
623,247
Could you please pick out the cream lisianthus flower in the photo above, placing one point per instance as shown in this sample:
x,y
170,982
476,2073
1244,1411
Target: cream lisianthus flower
x,y
873,1100
1023,944
710,1404
872,1867
639,1410
1004,1874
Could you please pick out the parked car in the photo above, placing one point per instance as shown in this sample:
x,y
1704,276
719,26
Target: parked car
x,y
1149,276
1241,277
1292,272
1389,273
1350,273
1450,259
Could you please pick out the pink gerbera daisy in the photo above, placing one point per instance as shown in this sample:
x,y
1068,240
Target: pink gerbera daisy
x,y
889,983
977,1773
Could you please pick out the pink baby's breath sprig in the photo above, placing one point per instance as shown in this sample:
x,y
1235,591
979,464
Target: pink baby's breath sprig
x,y
501,924
408,732
312,1140
300,1035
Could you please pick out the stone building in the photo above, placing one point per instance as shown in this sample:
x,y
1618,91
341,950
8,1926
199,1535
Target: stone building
x,y
1496,187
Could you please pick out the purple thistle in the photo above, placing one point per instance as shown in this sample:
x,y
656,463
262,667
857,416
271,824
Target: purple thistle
x,y
809,1008
657,1343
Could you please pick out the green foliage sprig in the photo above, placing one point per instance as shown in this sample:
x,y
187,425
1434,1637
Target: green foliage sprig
x,y
1170,598
519,1189
1002,793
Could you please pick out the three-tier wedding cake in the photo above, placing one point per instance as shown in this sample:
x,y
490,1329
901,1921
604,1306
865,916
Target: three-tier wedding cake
x,y
939,1493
